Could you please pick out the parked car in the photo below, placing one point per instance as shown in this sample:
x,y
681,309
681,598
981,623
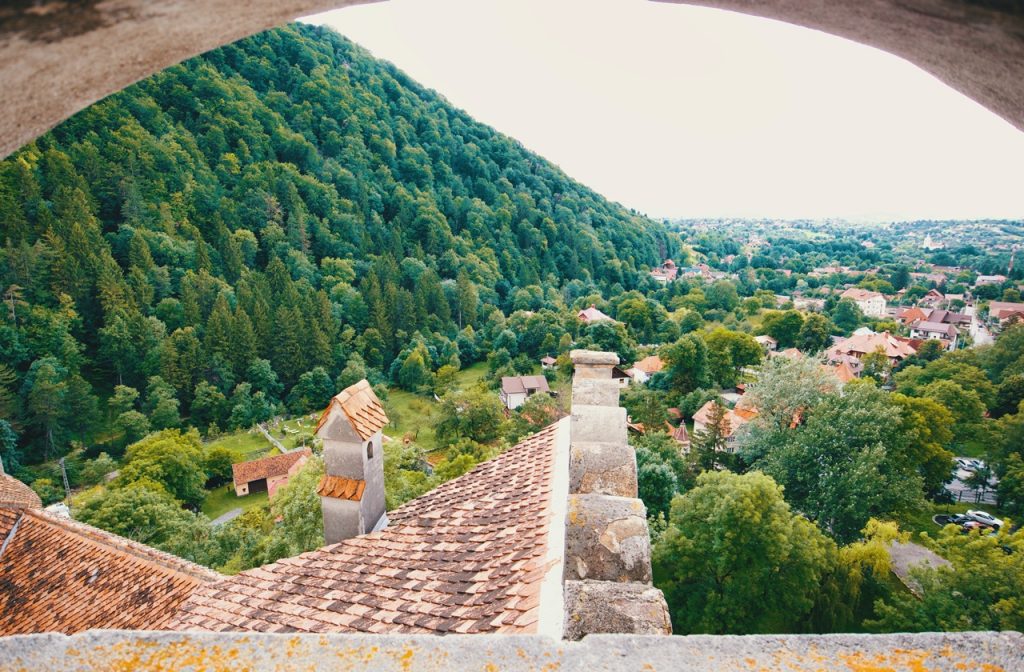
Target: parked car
x,y
959,519
982,528
963,463
985,518
977,464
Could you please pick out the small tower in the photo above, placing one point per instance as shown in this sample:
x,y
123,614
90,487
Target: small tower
x,y
352,489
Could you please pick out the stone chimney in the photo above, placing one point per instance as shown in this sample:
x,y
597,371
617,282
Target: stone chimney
x,y
607,570
352,489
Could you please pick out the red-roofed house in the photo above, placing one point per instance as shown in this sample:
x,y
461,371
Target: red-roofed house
x,y
895,349
592,314
733,419
268,474
666,272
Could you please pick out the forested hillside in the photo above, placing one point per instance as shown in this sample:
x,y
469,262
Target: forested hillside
x,y
234,232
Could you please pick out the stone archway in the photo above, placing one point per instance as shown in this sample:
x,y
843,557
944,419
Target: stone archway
x,y
59,56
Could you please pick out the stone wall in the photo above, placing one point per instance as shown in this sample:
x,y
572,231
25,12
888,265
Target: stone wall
x,y
258,652
607,564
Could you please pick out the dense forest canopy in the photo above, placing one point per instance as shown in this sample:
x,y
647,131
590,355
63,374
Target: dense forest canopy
x,y
211,234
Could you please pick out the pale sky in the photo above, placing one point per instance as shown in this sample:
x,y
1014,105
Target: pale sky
x,y
682,111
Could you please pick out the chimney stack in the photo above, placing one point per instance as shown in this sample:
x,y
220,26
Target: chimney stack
x,y
352,489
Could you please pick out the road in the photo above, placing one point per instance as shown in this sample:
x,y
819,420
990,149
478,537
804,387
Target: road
x,y
229,516
965,493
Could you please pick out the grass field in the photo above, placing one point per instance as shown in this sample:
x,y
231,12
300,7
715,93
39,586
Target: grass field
x,y
414,413
244,445
221,500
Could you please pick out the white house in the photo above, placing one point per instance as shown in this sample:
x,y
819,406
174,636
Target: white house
x,y
936,331
516,389
870,303
768,343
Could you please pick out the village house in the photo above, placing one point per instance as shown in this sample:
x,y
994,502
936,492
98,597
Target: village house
x,y
912,314
548,362
732,420
623,378
592,314
665,273
788,353
943,316
932,299
268,474
767,343
642,371
870,303
516,389
1003,312
812,305
983,280
946,333
844,371
895,348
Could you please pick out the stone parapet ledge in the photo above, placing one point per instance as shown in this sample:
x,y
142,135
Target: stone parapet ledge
x,y
607,561
606,539
593,364
261,652
595,392
604,424
602,468
600,607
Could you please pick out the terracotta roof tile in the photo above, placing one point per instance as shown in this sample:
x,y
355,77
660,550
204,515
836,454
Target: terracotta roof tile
x,y
275,465
15,494
362,408
341,488
468,556
57,575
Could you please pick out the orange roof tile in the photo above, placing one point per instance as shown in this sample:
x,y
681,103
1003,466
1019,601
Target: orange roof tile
x,y
844,372
62,576
650,365
467,557
265,467
15,494
362,408
341,488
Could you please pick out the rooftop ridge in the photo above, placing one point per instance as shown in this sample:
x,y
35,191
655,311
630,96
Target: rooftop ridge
x,y
138,550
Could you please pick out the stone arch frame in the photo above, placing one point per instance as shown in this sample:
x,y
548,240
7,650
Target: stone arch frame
x,y
58,58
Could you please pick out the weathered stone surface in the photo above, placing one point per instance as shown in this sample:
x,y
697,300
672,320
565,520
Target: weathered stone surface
x,y
606,539
592,364
598,423
593,358
595,391
602,468
593,607
262,652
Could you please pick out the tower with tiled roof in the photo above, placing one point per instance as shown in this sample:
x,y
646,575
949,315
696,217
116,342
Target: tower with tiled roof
x,y
352,489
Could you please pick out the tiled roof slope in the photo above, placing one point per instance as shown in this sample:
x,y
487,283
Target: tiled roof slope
x,y
15,494
467,557
57,575
362,408
341,488
275,465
